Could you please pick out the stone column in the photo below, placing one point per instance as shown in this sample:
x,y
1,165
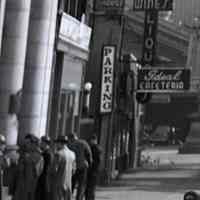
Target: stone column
x,y
12,62
33,115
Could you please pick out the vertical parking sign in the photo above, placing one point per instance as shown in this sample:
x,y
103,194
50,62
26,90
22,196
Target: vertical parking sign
x,y
149,42
107,79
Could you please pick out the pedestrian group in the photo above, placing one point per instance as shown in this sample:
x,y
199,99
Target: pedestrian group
x,y
42,169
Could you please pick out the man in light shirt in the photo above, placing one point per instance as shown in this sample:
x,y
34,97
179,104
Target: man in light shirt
x,y
64,166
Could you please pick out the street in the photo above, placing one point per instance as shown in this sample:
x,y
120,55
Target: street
x,y
164,182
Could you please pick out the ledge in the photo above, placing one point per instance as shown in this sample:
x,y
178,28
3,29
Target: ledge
x,y
72,49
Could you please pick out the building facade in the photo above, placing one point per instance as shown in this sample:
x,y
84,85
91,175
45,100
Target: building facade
x,y
177,46
174,49
33,46
71,57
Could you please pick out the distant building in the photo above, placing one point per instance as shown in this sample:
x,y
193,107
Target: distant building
x,y
185,11
178,41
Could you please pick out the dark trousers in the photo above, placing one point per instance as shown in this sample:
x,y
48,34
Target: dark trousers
x,y
91,186
79,179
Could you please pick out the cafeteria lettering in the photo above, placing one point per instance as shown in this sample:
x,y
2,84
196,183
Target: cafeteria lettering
x,y
161,85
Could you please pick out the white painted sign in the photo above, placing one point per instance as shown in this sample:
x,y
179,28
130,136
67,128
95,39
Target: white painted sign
x,y
107,79
162,5
74,32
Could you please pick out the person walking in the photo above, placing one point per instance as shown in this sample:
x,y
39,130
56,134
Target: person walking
x,y
30,167
83,160
93,170
64,164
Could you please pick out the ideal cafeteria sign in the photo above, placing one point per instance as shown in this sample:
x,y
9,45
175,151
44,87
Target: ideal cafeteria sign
x,y
163,80
141,5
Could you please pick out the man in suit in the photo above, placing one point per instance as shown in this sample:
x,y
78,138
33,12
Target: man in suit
x,y
83,160
29,168
93,170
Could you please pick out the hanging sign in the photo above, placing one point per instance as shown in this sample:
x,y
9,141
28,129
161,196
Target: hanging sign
x,y
159,5
107,79
74,32
163,80
149,42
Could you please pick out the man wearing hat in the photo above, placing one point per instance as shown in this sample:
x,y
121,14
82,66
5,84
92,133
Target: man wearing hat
x,y
4,160
64,165
84,160
93,170
30,167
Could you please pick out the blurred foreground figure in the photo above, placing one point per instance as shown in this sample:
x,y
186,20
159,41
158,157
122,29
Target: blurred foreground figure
x,y
64,165
93,170
30,167
4,160
43,190
10,172
191,195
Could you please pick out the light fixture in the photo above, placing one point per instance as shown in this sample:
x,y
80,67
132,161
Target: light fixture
x,y
88,86
86,99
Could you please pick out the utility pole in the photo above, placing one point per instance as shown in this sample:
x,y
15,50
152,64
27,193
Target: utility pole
x,y
137,111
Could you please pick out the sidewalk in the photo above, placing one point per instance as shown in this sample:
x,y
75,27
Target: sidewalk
x,y
165,182
152,185
130,194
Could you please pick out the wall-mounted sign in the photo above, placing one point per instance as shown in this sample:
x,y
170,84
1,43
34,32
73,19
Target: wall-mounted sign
x,y
163,80
149,42
160,5
74,32
106,5
107,78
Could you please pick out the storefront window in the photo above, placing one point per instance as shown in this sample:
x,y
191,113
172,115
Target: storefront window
x,y
67,105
